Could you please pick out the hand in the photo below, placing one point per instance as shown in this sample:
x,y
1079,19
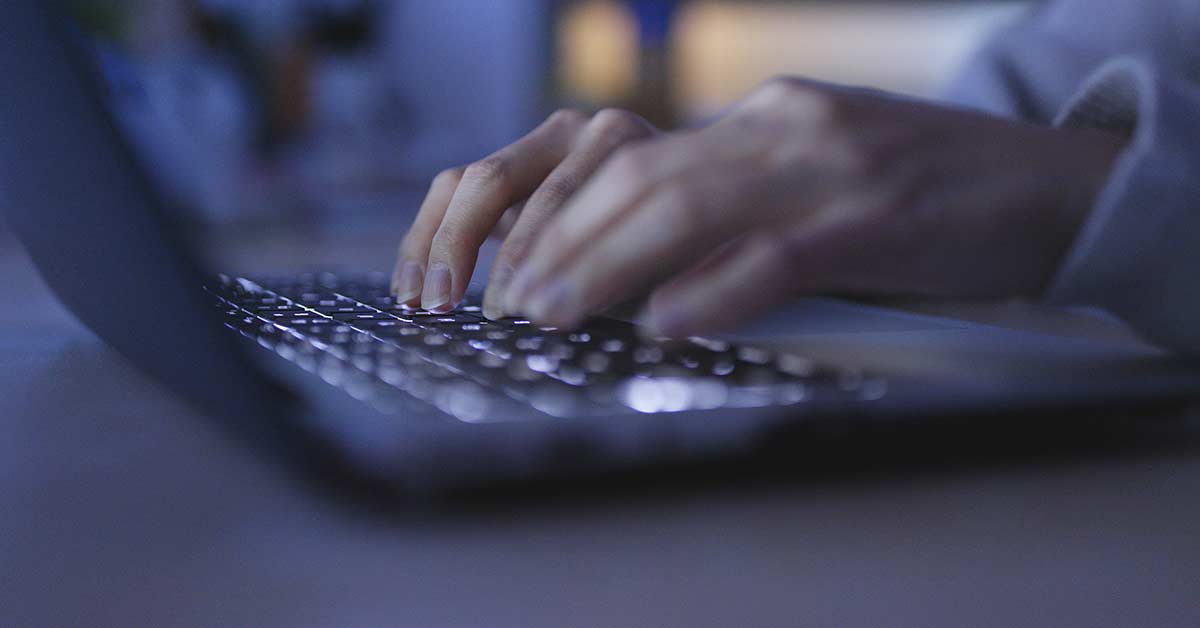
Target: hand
x,y
807,188
514,191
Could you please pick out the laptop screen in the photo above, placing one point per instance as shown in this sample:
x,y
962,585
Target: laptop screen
x,y
95,227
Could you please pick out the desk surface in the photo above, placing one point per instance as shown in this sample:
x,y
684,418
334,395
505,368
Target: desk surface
x,y
119,507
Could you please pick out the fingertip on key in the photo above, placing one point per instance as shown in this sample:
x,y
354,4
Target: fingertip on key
x,y
435,293
498,282
406,285
663,319
518,291
555,304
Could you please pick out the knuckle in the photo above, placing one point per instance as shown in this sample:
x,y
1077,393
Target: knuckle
x,y
567,117
556,190
775,92
816,106
448,177
489,172
618,123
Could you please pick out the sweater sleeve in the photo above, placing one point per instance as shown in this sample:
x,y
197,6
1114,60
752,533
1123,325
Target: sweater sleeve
x,y
1032,67
1138,255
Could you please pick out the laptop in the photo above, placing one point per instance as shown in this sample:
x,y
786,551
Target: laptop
x,y
327,371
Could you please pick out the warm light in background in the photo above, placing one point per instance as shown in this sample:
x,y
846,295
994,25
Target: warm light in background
x,y
597,51
725,48
722,48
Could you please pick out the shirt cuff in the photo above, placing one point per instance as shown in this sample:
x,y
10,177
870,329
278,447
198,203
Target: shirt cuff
x,y
1138,254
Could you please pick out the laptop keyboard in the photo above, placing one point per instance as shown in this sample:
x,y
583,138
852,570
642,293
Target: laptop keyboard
x,y
350,332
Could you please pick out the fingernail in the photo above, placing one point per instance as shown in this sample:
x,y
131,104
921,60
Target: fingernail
x,y
435,295
408,283
555,303
498,283
518,291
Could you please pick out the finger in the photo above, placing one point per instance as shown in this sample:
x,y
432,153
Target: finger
x,y
681,221
698,272
608,130
723,294
507,220
409,273
620,185
487,189
754,274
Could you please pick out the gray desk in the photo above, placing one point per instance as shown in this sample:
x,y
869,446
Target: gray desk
x,y
119,507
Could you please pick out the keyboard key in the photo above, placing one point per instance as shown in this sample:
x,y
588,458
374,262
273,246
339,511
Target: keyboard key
x,y
754,355
542,363
648,354
613,345
439,320
354,316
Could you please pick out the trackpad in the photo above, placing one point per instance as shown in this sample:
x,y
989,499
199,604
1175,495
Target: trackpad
x,y
824,316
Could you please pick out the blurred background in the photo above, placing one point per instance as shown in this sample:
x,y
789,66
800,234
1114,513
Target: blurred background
x,y
331,116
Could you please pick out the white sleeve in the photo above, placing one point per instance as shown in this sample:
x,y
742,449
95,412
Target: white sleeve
x,y
1138,255
1032,67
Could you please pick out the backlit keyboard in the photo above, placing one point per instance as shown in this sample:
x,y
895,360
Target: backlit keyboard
x,y
350,332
